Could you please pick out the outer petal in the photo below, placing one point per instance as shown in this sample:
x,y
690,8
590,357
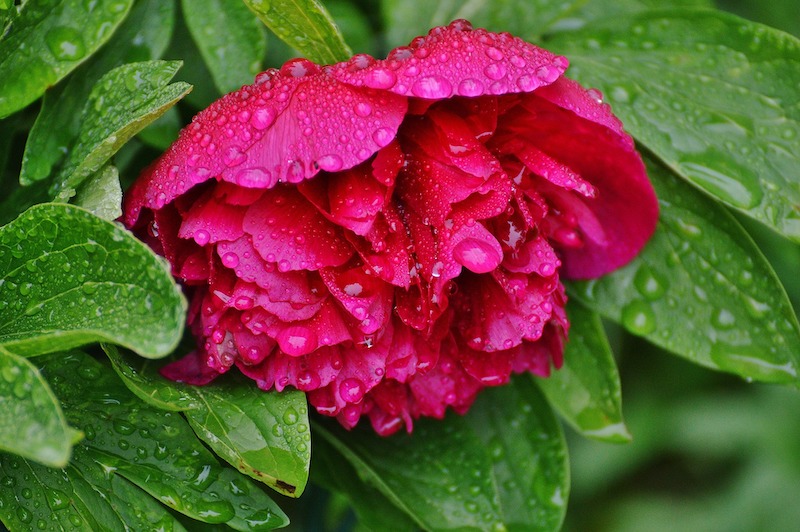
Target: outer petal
x,y
456,61
288,126
595,148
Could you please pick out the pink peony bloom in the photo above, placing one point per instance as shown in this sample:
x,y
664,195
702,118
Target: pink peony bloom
x,y
389,235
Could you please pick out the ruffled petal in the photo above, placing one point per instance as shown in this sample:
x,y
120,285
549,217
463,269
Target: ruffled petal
x,y
286,127
456,61
288,231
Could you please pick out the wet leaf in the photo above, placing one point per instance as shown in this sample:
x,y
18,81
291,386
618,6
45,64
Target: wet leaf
x,y
231,40
80,497
712,95
374,511
702,290
264,435
120,105
502,466
70,278
31,422
304,25
528,19
47,41
101,194
143,35
586,390
153,449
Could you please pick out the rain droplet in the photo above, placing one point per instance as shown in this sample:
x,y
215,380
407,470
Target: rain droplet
x,y
380,78
476,255
432,87
330,163
66,44
470,87
638,317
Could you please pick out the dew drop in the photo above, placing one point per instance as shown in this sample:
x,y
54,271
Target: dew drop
x,y
380,78
262,118
66,44
330,163
476,255
470,87
638,317
432,87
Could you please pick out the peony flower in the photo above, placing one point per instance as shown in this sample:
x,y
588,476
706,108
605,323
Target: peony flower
x,y
389,236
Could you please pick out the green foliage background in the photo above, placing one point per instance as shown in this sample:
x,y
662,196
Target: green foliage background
x,y
92,437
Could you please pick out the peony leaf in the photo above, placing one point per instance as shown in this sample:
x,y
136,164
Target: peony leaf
x,y
703,290
101,194
525,18
47,41
529,454
120,105
153,449
231,40
304,25
264,435
143,35
712,95
373,510
70,278
31,422
586,390
82,497
501,465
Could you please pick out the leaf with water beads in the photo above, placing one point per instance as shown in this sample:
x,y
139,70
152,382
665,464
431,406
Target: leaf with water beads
x,y
230,38
586,390
143,35
70,278
304,25
79,497
31,422
264,435
47,41
154,449
712,95
702,290
502,466
122,103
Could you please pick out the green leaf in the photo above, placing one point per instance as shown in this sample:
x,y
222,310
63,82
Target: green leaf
x,y
263,434
712,95
405,19
143,35
530,466
163,132
702,290
373,509
80,497
353,22
586,390
70,278
120,105
101,194
31,422
231,40
502,466
153,449
304,25
47,41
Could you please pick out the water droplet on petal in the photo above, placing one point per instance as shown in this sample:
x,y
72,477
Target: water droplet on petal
x,y
382,136
380,78
201,236
477,255
262,118
548,73
330,163
470,87
351,390
363,109
432,87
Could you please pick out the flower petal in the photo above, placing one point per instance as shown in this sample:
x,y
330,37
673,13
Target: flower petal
x,y
289,231
286,127
625,207
456,61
